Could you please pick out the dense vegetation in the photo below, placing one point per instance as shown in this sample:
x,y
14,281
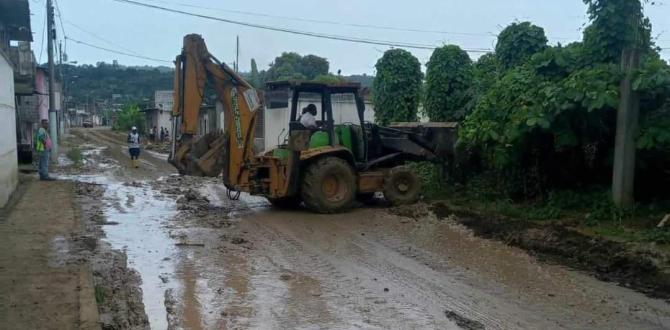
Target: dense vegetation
x,y
136,85
397,87
448,82
130,116
537,138
87,83
546,118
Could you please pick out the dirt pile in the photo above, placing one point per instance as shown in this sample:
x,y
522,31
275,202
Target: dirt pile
x,y
624,264
161,147
192,201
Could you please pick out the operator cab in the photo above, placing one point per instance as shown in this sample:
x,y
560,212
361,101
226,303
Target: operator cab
x,y
340,115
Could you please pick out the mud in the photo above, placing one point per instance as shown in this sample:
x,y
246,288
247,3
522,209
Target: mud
x,y
624,264
117,287
207,262
464,322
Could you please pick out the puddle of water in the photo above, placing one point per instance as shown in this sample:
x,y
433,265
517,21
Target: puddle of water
x,y
140,215
64,161
149,248
157,155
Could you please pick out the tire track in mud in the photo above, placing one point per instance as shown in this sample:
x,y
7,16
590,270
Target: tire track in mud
x,y
351,276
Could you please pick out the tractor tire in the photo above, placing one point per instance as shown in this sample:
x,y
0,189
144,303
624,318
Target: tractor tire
x,y
328,185
285,203
402,186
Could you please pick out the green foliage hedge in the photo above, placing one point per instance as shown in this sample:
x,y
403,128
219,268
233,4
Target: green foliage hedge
x,y
545,117
518,42
448,84
397,87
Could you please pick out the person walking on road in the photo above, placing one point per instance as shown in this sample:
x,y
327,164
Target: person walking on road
x,y
134,147
43,147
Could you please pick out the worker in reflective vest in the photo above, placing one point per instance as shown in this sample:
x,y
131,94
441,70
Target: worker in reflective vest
x,y
43,147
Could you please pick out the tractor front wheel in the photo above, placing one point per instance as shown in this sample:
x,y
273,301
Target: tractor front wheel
x,y
328,185
402,186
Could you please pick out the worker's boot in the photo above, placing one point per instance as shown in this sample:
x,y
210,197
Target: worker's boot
x,y
136,163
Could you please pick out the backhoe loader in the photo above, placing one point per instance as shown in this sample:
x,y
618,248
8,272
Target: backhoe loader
x,y
327,168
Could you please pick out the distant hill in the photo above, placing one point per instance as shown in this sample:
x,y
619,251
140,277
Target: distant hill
x,y
135,84
86,83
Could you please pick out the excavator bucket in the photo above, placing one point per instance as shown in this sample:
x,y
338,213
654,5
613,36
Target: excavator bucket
x,y
204,156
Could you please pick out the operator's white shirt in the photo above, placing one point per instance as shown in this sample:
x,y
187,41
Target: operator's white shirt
x,y
308,120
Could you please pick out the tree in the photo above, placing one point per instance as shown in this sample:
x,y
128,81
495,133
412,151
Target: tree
x,y
130,116
615,25
293,66
397,87
312,66
518,42
448,84
255,78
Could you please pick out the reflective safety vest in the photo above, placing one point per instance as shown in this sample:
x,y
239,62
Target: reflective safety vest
x,y
40,137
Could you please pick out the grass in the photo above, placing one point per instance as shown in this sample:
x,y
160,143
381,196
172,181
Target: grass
x,y
100,294
75,155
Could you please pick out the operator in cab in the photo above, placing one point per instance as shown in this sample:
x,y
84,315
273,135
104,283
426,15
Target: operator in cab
x,y
308,117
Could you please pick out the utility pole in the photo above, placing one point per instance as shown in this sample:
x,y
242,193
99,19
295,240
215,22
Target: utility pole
x,y
237,55
623,180
53,116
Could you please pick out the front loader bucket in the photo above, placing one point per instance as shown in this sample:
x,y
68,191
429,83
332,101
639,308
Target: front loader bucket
x,y
204,156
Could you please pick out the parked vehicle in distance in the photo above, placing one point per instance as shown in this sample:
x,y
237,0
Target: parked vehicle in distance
x,y
87,124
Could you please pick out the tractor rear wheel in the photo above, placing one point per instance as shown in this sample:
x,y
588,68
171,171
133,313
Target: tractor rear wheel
x,y
285,203
402,186
328,185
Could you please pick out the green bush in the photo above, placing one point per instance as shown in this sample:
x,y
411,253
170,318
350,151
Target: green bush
x,y
518,42
130,116
75,155
397,87
448,94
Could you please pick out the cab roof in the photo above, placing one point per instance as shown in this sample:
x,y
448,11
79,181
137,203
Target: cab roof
x,y
313,87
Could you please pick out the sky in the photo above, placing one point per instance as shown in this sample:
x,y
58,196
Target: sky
x,y
471,24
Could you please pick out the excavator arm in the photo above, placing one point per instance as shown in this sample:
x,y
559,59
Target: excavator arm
x,y
225,151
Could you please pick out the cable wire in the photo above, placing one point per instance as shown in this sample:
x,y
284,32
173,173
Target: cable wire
x,y
44,28
309,20
297,32
102,39
117,52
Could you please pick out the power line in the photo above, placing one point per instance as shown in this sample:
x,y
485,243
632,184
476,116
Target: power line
x,y
44,28
359,25
309,20
117,52
298,32
62,27
101,38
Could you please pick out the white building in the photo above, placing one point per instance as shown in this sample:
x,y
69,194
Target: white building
x,y
277,113
8,158
161,114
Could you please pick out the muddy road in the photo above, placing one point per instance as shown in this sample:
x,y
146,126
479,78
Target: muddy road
x,y
206,262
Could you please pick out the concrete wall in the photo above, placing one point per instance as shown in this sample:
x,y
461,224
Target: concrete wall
x,y
344,111
9,174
